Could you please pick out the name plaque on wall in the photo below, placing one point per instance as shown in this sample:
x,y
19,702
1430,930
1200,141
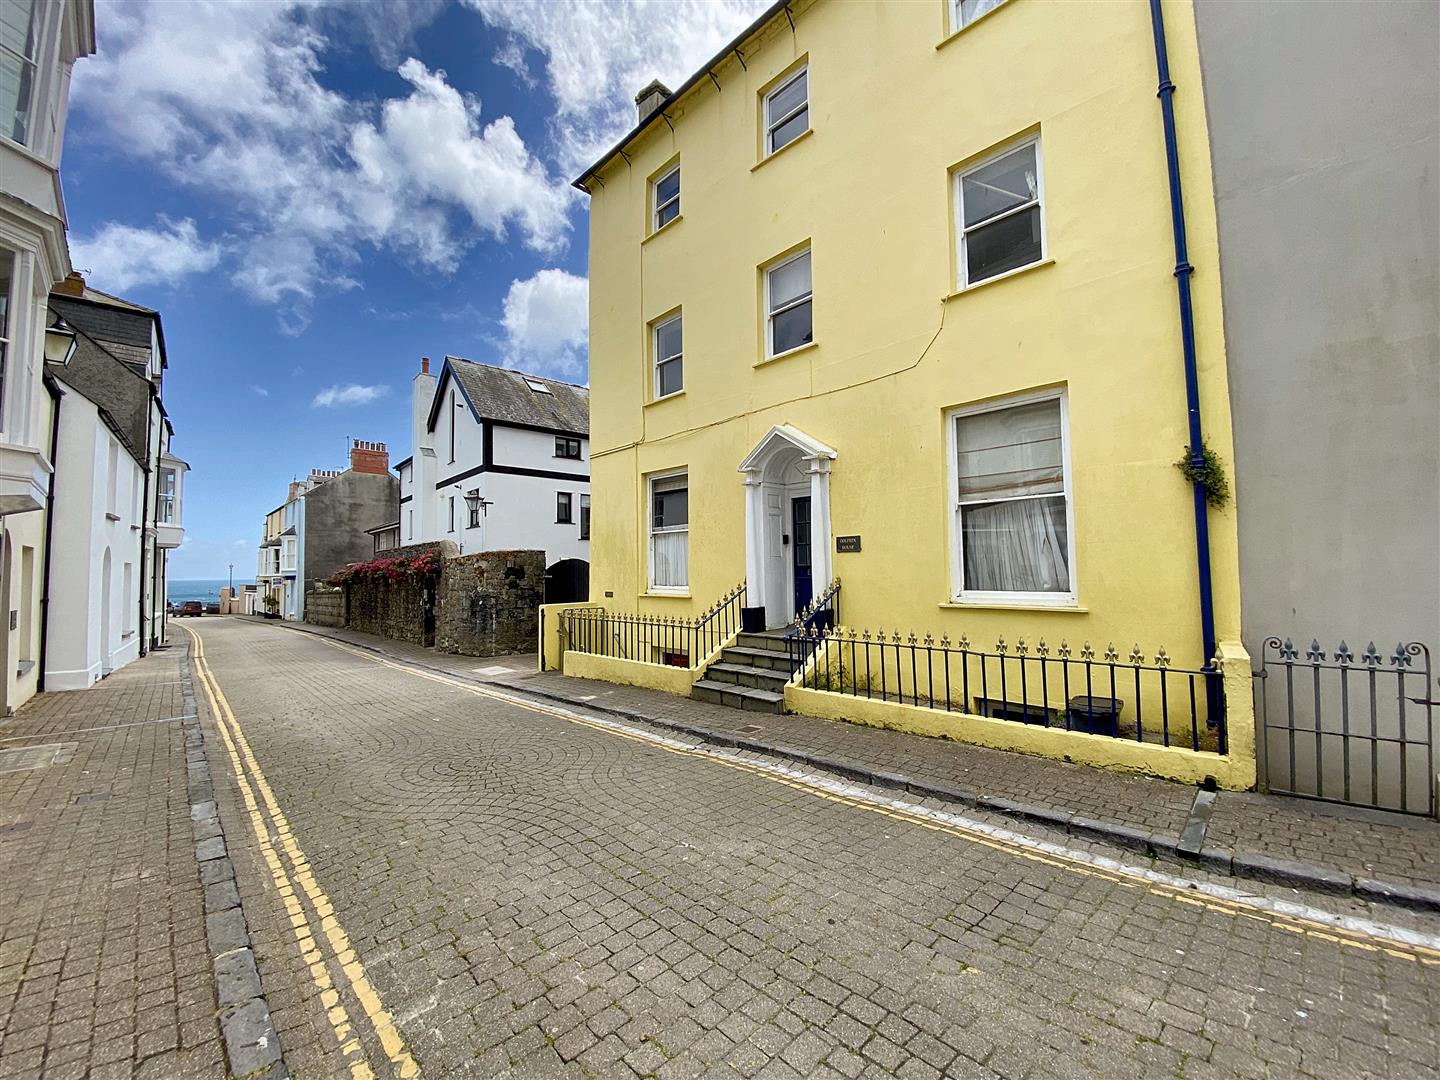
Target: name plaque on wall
x,y
847,543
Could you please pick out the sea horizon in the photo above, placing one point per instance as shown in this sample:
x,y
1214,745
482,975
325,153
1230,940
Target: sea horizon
x,y
178,590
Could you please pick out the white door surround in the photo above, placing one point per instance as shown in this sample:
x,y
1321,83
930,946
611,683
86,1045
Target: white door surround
x,y
786,463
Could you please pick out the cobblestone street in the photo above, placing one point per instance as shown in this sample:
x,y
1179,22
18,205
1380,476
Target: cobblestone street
x,y
445,879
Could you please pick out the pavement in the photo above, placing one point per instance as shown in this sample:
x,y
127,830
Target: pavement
x,y
431,873
1372,854
105,970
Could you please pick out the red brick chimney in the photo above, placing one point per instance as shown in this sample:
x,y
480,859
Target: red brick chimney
x,y
369,457
424,365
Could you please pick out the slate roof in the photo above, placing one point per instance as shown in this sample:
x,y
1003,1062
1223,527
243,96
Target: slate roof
x,y
129,327
501,394
118,389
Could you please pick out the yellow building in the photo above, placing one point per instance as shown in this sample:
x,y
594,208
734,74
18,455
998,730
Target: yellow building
x,y
886,293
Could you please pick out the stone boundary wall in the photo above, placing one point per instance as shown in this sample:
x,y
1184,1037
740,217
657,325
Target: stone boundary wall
x,y
488,604
399,610
325,607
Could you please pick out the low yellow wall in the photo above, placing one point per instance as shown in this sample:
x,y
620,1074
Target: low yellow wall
x,y
672,680
1234,770
551,655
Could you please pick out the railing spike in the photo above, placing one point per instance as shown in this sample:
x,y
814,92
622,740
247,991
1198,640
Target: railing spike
x,y
1086,652
1371,655
1111,655
1041,649
1343,656
1020,647
1136,656
1315,654
1401,659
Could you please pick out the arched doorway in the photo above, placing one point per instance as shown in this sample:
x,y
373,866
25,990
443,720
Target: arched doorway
x,y
787,524
568,582
106,663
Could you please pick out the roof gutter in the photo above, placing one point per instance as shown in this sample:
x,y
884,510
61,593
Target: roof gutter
x,y
1183,270
731,49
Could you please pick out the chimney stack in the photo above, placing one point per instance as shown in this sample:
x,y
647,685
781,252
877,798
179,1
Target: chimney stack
x,y
424,365
369,457
649,99
73,285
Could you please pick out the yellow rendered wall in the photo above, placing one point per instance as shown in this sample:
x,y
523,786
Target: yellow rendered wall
x,y
894,107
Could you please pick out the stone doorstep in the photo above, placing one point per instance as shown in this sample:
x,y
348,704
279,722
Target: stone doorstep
x,y
1256,866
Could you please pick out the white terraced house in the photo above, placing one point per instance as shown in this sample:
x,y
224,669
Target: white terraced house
x,y
501,462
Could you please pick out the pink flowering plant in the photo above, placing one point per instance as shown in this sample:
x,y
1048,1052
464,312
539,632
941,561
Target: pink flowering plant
x,y
417,568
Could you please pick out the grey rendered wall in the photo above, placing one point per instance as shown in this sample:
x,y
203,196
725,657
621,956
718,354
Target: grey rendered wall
x,y
337,513
1325,134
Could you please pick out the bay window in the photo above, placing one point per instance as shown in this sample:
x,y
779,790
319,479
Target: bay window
x,y
1013,532
20,25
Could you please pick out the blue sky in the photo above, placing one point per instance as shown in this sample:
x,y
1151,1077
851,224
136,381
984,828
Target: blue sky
x,y
314,195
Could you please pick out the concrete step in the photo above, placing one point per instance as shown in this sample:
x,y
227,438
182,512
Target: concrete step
x,y
769,642
738,697
766,658
745,675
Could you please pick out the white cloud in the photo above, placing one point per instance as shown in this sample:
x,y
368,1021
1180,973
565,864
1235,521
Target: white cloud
x,y
260,390
546,319
349,394
120,257
227,99
602,52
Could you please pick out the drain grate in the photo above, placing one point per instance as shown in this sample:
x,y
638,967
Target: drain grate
x,y
36,757
749,729
99,796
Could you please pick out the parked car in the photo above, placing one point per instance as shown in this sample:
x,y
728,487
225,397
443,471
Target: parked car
x,y
191,607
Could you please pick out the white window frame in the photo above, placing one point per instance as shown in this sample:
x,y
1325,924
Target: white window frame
x,y
7,322
651,532
962,262
659,360
958,593
39,13
770,147
656,206
957,18
771,311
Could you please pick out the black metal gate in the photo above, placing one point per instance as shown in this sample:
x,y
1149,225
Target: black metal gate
x,y
1348,728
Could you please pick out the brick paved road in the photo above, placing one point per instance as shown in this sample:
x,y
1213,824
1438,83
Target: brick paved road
x,y
523,895
104,970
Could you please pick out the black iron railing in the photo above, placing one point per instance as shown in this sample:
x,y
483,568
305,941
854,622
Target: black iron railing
x,y
818,616
1348,727
666,640
1125,697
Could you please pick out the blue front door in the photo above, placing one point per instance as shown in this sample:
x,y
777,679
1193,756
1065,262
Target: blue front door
x,y
800,550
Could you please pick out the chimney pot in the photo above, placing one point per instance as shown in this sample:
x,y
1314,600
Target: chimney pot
x,y
649,99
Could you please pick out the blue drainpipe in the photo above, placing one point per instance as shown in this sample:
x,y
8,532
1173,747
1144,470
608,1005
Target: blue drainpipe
x,y
1183,270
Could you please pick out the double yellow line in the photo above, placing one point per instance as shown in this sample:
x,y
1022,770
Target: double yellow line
x,y
275,838
1234,908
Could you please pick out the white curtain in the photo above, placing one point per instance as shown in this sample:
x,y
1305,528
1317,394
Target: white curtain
x,y
670,558
1013,504
1016,546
